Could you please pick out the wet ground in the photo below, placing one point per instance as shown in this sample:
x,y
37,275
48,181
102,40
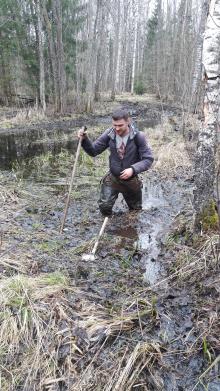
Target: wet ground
x,y
134,260
32,139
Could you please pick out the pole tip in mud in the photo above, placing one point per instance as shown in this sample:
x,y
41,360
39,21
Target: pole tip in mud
x,y
88,257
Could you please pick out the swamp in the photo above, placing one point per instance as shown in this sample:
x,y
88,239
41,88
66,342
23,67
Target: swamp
x,y
144,314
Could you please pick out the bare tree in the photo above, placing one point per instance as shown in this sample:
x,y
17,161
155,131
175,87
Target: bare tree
x,y
135,24
61,74
41,56
52,54
100,47
115,53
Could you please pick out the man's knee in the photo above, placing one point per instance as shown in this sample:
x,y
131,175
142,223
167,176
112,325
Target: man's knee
x,y
135,206
133,200
108,196
105,207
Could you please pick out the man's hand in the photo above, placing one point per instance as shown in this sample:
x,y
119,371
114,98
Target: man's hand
x,y
126,174
82,133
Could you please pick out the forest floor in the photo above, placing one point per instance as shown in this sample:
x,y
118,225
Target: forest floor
x,y
144,315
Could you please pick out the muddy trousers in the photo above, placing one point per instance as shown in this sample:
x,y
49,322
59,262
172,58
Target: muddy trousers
x,y
112,186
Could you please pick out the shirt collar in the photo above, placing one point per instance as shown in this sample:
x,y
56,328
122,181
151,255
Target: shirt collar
x,y
133,132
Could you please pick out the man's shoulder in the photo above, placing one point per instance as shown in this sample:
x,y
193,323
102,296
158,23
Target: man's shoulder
x,y
140,138
110,132
134,131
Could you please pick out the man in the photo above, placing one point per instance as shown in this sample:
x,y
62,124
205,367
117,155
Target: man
x,y
129,156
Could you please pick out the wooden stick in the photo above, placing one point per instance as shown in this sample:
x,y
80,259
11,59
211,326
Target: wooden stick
x,y
91,256
71,183
100,235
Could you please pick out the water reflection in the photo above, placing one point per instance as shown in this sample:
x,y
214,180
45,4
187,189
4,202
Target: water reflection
x,y
24,145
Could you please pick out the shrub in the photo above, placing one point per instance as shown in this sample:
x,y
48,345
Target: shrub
x,y
139,88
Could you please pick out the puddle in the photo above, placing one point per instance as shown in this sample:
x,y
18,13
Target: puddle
x,y
19,143
153,196
27,144
154,222
124,232
148,243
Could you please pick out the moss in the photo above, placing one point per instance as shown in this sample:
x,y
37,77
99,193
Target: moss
x,y
55,278
209,217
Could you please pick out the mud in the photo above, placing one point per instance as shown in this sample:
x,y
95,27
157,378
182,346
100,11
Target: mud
x,y
132,259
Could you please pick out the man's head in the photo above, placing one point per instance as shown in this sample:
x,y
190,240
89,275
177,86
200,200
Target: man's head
x,y
120,122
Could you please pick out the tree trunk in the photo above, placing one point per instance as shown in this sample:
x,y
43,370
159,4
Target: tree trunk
x,y
197,75
92,53
52,54
135,13
100,43
206,149
116,50
41,57
60,56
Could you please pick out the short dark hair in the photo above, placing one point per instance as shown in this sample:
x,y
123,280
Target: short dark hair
x,y
120,114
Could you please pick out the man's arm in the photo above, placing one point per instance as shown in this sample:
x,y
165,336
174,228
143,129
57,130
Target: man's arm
x,y
96,147
145,153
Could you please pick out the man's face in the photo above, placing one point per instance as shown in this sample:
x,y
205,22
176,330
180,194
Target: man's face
x,y
121,126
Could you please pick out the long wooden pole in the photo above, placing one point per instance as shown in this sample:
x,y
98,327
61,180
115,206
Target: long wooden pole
x,y
100,235
71,183
91,256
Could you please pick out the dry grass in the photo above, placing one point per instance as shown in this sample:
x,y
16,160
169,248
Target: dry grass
x,y
145,98
28,321
172,157
170,151
44,337
23,116
143,356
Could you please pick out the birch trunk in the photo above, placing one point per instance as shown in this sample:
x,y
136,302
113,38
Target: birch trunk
x,y
197,75
206,150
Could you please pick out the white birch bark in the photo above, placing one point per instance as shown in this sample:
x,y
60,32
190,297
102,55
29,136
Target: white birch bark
x,y
206,150
197,74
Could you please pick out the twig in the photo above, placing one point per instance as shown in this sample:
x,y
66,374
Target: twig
x,y
216,361
139,319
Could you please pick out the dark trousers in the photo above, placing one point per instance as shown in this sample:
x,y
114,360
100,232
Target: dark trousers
x,y
110,188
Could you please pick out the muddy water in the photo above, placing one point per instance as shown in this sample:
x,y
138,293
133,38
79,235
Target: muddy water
x,y
20,143
27,144
153,202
